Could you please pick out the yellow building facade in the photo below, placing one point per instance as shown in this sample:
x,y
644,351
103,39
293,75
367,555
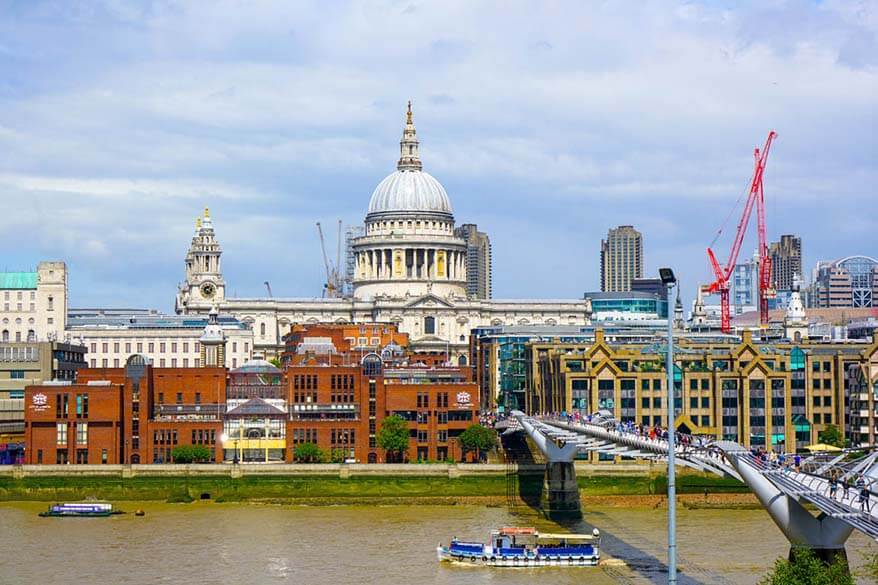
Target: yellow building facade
x,y
775,395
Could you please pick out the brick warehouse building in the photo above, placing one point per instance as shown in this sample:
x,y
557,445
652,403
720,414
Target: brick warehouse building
x,y
335,398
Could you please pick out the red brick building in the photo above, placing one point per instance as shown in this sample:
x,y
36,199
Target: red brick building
x,y
333,396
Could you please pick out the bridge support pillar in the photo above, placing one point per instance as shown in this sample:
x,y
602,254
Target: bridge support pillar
x,y
560,497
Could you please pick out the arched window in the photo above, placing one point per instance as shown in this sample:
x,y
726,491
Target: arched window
x,y
429,325
51,302
6,335
262,329
18,336
31,335
372,365
461,361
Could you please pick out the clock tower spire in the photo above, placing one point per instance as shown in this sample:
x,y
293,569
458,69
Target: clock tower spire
x,y
204,285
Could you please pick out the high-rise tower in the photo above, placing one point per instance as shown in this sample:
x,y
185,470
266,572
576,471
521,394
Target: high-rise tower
x,y
478,260
786,261
621,259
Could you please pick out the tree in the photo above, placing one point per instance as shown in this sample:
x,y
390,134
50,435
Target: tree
x,y
477,438
308,453
831,435
191,454
393,436
276,363
806,569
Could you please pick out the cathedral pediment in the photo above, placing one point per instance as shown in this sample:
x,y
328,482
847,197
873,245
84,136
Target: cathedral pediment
x,y
429,300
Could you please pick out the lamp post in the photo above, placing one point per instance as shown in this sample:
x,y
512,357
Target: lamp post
x,y
669,280
225,438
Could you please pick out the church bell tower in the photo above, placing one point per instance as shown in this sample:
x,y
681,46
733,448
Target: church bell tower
x,y
204,285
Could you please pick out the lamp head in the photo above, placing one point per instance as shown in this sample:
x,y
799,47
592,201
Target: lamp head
x,y
667,276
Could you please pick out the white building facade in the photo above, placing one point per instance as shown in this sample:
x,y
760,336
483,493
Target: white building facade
x,y
34,304
409,268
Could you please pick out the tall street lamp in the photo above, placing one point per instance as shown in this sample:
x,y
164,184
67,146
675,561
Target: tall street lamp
x,y
669,280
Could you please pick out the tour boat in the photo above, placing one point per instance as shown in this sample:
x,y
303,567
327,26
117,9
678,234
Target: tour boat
x,y
525,547
81,510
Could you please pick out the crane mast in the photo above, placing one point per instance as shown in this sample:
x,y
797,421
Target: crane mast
x,y
722,275
332,286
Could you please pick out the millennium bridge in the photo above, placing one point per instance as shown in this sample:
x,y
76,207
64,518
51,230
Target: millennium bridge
x,y
782,490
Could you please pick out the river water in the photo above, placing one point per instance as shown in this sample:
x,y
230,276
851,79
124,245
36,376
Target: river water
x,y
250,544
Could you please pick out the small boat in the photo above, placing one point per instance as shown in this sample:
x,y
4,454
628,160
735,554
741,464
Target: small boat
x,y
525,547
81,510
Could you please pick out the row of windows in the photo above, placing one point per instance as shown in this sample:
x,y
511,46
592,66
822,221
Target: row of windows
x,y
81,433
62,405
162,362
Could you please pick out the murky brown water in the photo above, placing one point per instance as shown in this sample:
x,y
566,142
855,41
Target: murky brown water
x,y
253,544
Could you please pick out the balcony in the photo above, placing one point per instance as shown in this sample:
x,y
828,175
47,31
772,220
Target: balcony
x,y
313,411
188,411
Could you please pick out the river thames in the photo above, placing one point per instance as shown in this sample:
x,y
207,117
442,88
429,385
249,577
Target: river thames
x,y
210,543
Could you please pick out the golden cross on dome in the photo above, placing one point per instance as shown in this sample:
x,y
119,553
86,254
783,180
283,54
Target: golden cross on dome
x,y
408,116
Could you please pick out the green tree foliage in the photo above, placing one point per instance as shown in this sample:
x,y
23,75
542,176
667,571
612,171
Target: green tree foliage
x,y
191,454
308,453
831,435
477,438
276,362
393,436
806,569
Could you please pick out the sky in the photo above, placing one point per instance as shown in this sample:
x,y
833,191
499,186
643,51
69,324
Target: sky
x,y
547,122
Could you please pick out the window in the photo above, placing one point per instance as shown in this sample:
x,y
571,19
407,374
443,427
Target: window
x,y
116,347
105,347
17,374
61,433
162,347
198,399
180,399
127,347
429,325
262,329
82,433
150,346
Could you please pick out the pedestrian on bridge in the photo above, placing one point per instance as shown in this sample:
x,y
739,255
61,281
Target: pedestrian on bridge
x,y
833,486
845,485
798,461
864,499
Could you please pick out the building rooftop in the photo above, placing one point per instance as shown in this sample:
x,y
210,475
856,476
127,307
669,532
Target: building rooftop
x,y
142,319
18,280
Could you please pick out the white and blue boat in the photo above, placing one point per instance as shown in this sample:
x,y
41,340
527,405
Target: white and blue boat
x,y
525,547
80,510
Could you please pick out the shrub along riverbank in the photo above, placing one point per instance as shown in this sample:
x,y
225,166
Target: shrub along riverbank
x,y
334,490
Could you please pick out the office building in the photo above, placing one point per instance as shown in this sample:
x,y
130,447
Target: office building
x,y
774,395
786,262
478,260
621,259
23,364
850,282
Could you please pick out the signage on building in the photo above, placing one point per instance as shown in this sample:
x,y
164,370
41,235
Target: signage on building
x,y
463,399
39,402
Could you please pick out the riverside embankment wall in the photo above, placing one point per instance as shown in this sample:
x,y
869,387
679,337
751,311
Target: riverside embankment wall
x,y
332,483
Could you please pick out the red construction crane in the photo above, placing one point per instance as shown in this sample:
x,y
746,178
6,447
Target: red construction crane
x,y
721,284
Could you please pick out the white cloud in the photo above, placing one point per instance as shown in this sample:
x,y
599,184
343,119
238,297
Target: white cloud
x,y
573,117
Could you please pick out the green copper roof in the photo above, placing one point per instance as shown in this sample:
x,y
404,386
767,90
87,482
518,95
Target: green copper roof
x,y
18,280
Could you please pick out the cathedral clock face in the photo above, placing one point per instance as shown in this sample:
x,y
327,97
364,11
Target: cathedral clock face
x,y
208,289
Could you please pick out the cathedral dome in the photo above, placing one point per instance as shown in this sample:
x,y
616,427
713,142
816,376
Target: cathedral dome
x,y
409,191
